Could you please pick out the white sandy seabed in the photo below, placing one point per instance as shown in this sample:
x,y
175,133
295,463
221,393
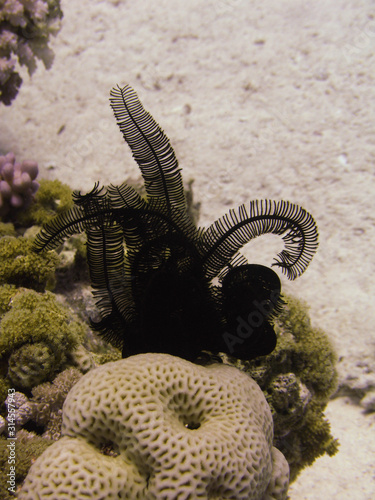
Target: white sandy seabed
x,y
260,99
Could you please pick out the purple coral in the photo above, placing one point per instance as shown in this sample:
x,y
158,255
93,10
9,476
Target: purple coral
x,y
25,28
17,183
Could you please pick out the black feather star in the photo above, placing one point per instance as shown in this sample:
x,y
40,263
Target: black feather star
x,y
160,283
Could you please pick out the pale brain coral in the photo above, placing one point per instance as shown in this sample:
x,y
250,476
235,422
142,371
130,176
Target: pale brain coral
x,y
153,426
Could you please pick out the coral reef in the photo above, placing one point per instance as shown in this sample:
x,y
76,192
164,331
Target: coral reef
x,y
297,378
3,424
42,412
162,427
31,364
4,386
48,400
20,407
36,335
25,29
6,294
44,408
21,266
7,229
146,412
82,358
17,183
29,447
52,198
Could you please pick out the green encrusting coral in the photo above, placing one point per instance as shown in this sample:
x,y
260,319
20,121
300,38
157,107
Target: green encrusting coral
x,y
40,337
6,294
52,198
30,364
36,335
298,378
29,447
21,266
7,229
4,386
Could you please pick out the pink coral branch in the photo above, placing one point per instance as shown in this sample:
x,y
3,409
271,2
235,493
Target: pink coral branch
x,y
17,183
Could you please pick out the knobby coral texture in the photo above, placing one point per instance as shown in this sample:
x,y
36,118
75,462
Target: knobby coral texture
x,y
21,266
37,334
298,378
44,410
162,428
17,183
161,283
25,28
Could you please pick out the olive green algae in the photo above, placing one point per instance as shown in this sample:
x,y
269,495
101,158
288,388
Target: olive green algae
x,y
23,267
36,335
298,378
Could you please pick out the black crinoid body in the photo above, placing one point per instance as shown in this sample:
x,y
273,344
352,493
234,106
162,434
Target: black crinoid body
x,y
161,283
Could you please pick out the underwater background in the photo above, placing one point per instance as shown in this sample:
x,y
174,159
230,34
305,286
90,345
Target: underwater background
x,y
271,99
